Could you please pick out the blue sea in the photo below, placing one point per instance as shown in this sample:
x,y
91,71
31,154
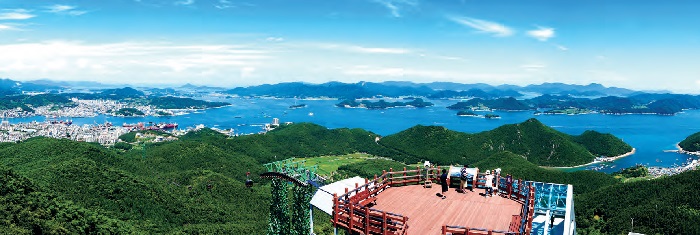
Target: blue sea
x,y
649,134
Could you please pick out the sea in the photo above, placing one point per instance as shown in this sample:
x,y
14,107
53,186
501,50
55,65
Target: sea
x,y
649,134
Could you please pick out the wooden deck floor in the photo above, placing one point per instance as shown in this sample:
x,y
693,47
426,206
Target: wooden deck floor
x,y
427,212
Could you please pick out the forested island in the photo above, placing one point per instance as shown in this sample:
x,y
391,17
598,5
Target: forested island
x,y
691,143
661,104
382,104
196,184
171,102
466,114
125,101
128,112
433,90
554,98
26,102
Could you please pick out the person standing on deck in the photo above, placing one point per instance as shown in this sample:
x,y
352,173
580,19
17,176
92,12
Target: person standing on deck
x,y
488,185
463,176
509,183
443,181
496,177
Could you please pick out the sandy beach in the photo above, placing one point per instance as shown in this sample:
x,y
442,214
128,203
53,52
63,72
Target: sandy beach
x,y
594,162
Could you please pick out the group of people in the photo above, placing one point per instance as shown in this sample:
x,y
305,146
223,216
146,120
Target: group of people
x,y
490,187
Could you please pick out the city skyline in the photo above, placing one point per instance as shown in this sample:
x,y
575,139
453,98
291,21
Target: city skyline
x,y
643,45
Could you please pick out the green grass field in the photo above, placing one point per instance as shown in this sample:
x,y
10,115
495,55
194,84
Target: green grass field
x,y
328,164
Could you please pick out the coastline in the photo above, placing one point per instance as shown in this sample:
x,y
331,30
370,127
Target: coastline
x,y
683,151
634,150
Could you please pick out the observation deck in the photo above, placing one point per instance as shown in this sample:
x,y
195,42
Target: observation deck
x,y
397,202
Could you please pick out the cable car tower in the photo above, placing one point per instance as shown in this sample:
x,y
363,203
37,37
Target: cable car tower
x,y
294,218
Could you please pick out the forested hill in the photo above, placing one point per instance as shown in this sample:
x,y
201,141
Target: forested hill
x,y
533,140
691,143
195,185
538,143
181,187
668,205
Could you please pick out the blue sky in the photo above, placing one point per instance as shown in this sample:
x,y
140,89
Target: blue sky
x,y
627,43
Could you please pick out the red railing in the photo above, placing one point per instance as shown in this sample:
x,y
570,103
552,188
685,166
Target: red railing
x,y
459,230
510,191
350,209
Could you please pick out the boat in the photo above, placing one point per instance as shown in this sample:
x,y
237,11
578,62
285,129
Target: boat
x,y
66,122
237,117
167,125
296,106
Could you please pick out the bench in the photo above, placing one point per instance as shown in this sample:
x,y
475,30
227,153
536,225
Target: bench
x,y
363,198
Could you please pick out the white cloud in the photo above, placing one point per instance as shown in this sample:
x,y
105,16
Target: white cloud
x,y
65,10
15,14
367,50
541,33
442,57
223,4
247,72
484,26
118,61
274,39
184,2
6,27
533,67
427,74
560,47
395,6
60,8
380,50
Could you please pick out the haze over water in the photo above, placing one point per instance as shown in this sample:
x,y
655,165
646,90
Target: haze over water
x,y
649,134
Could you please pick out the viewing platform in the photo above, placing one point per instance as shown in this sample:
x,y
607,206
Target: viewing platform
x,y
428,211
408,202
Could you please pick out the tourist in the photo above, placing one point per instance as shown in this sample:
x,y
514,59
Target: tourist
x,y
463,176
443,181
509,184
488,185
496,181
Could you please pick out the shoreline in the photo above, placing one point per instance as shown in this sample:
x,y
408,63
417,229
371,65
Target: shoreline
x,y
683,151
634,150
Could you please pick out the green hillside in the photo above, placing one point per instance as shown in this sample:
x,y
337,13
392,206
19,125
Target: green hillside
x,y
26,209
181,186
195,185
583,181
538,143
691,143
668,205
602,144
307,140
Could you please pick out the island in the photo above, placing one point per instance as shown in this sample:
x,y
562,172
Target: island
x,y
508,104
643,103
492,116
128,112
566,111
467,114
125,101
296,106
382,104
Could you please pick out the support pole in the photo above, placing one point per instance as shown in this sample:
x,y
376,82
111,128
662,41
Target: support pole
x,y
311,219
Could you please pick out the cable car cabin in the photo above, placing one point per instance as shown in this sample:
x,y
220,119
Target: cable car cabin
x,y
248,181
